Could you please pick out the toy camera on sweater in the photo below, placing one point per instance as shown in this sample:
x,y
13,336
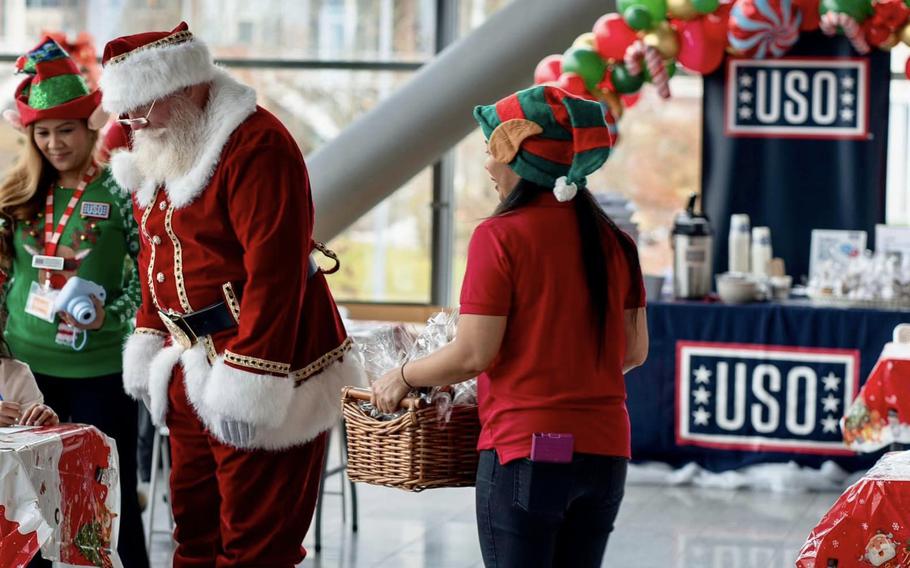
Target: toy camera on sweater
x,y
76,299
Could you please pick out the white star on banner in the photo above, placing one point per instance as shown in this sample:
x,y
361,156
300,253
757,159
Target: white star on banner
x,y
745,96
832,382
831,403
701,416
702,396
846,114
745,113
847,99
829,424
847,82
745,80
702,375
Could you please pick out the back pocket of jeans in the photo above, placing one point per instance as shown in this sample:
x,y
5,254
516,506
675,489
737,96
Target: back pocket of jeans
x,y
542,488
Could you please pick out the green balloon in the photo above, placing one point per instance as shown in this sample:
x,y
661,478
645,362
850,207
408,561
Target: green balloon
x,y
859,10
624,82
705,6
669,65
638,18
656,8
585,63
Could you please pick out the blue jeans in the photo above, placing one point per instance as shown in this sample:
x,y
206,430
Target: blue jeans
x,y
533,514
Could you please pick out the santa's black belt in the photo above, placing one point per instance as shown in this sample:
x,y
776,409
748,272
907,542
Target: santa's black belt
x,y
186,329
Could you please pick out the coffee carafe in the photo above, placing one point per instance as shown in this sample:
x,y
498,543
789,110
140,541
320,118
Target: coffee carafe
x,y
692,253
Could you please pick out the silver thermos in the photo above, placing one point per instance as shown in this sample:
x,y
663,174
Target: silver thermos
x,y
692,254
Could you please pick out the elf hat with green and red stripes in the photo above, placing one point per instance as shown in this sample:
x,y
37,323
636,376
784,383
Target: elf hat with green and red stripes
x,y
55,88
548,136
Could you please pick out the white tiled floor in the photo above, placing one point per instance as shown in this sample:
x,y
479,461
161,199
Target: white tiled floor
x,y
657,528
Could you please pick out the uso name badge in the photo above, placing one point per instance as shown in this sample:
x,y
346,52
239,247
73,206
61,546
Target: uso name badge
x,y
95,210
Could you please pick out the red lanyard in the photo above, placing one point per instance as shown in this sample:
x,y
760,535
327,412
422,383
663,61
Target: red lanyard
x,y
51,235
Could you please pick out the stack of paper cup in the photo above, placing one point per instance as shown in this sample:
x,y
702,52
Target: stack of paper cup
x,y
739,244
761,250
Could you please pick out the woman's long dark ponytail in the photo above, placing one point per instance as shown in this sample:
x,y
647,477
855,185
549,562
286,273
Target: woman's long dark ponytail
x,y
593,225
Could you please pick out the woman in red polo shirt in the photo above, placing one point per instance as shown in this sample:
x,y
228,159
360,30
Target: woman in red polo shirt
x,y
552,316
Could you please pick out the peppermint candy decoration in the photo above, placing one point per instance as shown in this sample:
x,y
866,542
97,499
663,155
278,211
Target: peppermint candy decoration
x,y
762,28
831,21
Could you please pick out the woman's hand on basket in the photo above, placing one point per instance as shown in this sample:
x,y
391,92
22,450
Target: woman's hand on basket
x,y
388,391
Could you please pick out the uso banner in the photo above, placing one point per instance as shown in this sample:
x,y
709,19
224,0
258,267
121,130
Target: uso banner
x,y
731,386
798,143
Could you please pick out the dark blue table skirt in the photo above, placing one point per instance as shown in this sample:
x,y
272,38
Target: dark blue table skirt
x,y
730,386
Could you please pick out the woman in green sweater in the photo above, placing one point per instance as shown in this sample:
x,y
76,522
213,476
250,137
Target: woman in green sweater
x,y
65,217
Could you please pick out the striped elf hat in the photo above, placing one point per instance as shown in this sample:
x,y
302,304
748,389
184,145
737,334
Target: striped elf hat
x,y
54,89
549,137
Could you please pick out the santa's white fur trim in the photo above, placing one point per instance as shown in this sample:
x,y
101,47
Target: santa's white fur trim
x,y
151,74
229,104
138,352
160,373
308,410
123,168
564,191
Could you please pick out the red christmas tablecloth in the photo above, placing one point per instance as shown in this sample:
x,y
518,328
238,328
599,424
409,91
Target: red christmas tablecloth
x,y
60,493
880,415
869,525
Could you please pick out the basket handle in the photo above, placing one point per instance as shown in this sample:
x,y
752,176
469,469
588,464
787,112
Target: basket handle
x,y
357,393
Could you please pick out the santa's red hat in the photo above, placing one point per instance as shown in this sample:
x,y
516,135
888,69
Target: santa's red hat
x,y
141,68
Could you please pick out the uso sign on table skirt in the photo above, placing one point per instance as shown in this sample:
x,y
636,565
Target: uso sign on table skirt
x,y
869,524
59,492
731,386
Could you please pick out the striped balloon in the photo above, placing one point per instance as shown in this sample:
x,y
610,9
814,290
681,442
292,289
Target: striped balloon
x,y
763,28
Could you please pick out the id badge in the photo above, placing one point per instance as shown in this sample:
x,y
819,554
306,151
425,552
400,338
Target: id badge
x,y
45,262
40,302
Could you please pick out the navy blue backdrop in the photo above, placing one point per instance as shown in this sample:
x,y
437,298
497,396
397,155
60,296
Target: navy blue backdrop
x,y
798,143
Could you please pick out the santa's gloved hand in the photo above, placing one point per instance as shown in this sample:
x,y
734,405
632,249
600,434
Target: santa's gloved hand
x,y
237,433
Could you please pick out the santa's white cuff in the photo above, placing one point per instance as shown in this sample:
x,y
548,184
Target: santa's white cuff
x,y
138,352
262,400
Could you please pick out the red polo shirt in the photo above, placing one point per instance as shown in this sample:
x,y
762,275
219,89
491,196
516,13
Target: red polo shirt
x,y
527,265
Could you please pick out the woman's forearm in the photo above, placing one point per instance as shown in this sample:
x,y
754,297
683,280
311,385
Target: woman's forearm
x,y
444,367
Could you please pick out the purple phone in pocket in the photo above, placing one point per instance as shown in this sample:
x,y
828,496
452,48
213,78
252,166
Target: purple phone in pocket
x,y
552,447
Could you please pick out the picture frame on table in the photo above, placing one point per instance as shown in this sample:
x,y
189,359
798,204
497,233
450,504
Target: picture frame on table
x,y
835,246
892,240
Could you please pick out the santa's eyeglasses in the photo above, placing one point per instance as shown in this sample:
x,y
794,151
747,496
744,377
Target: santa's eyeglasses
x,y
141,121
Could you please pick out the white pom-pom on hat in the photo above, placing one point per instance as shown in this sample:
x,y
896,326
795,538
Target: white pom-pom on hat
x,y
563,190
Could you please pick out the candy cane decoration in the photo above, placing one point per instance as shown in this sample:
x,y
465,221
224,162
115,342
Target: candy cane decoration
x,y
833,20
637,52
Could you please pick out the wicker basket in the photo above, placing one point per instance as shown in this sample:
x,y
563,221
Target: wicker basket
x,y
415,451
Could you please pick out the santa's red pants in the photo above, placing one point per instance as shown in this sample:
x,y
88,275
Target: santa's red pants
x,y
233,507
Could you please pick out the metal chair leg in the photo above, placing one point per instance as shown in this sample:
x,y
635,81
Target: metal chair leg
x,y
153,486
344,443
317,546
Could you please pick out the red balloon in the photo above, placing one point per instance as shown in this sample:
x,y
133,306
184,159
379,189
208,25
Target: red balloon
x,y
549,69
907,68
612,35
811,15
573,84
697,51
716,24
876,34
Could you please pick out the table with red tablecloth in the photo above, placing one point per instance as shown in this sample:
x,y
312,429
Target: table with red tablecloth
x,y
59,492
869,525
880,414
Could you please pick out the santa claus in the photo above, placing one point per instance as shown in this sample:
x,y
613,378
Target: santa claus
x,y
239,348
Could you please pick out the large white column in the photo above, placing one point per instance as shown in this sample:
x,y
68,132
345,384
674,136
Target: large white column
x,y
407,132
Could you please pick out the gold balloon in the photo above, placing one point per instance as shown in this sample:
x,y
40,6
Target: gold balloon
x,y
586,41
681,9
663,39
904,34
889,43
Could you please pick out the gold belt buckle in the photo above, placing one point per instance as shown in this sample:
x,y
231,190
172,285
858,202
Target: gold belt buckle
x,y
182,337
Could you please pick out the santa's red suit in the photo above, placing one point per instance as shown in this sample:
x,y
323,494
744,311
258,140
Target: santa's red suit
x,y
234,232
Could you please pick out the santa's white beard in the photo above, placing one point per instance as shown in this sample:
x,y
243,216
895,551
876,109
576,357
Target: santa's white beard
x,y
165,154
